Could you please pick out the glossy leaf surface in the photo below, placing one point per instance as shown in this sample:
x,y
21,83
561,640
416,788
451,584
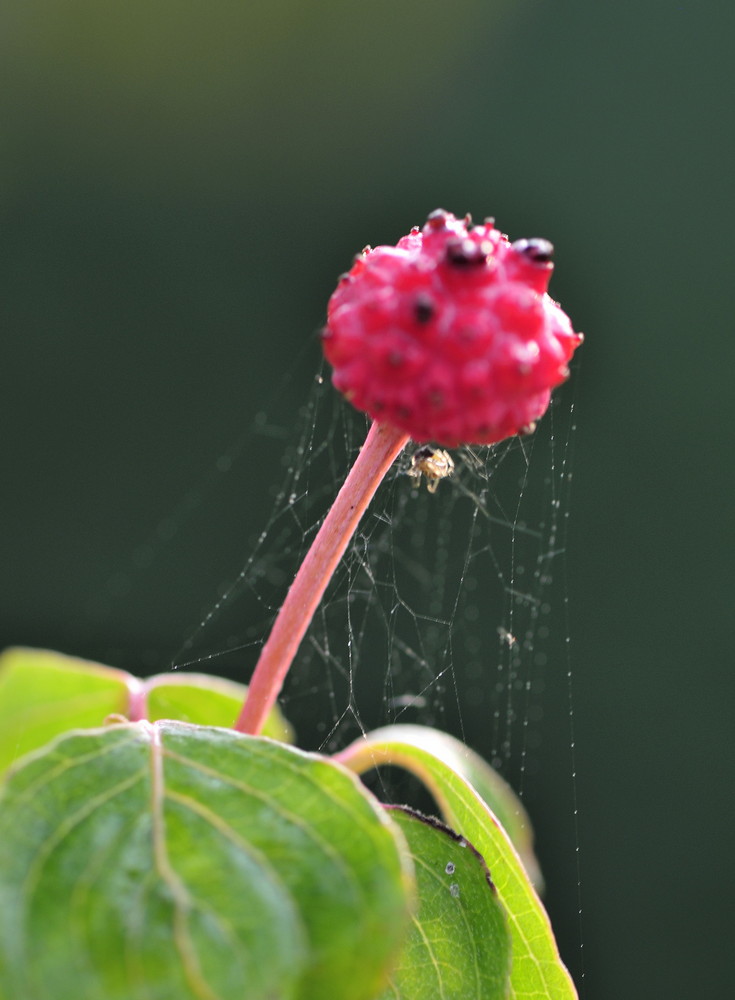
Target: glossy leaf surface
x,y
459,946
150,861
537,969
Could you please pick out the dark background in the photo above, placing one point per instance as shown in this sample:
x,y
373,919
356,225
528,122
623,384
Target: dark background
x,y
180,184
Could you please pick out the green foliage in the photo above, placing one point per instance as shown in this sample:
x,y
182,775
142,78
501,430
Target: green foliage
x,y
150,859
204,700
497,793
159,860
458,947
44,694
537,969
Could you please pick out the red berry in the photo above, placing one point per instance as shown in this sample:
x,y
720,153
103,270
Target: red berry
x,y
450,335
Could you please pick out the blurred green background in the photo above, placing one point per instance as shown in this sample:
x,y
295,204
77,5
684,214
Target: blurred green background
x,y
180,184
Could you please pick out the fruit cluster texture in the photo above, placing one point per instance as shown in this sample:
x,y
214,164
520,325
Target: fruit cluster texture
x,y
450,335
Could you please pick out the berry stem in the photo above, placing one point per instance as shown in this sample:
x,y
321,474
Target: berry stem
x,y
382,445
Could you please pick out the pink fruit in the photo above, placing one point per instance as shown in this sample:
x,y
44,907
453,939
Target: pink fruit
x,y
450,335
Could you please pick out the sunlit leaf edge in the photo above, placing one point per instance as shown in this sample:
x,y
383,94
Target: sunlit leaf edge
x,y
537,966
490,786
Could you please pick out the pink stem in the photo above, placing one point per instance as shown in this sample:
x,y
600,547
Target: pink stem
x,y
137,700
378,453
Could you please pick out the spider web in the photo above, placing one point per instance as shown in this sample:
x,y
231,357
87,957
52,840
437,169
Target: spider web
x,y
440,612
448,609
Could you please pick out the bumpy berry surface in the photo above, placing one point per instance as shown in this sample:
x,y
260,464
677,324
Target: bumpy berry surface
x,y
450,335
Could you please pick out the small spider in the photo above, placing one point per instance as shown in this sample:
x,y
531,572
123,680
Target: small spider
x,y
506,636
433,463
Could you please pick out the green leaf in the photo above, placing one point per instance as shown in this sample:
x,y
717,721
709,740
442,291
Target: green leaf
x,y
537,968
459,945
150,861
45,694
205,700
494,790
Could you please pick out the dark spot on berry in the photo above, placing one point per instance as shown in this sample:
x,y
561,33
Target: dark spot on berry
x,y
378,405
423,308
395,359
436,398
437,219
404,412
536,250
465,253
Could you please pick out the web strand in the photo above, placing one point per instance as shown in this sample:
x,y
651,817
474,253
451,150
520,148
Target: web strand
x,y
438,612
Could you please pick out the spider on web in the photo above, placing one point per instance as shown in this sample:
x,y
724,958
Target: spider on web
x,y
434,464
